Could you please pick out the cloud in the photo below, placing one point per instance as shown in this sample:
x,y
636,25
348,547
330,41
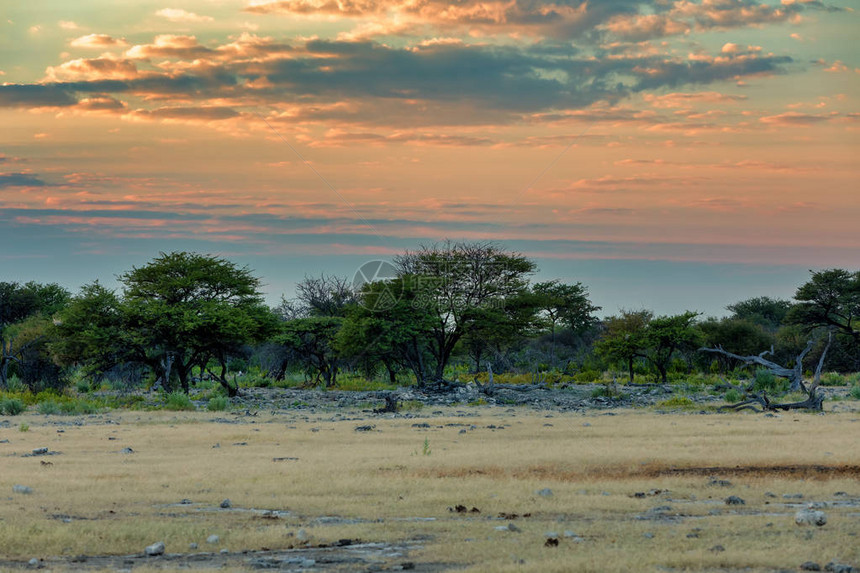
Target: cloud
x,y
682,99
20,180
180,15
97,41
34,96
169,46
93,69
68,25
792,118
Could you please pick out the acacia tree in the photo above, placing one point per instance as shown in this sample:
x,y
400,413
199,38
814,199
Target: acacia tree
x,y
183,309
665,335
564,305
455,279
624,337
22,344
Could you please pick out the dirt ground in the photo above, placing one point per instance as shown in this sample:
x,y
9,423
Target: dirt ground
x,y
306,483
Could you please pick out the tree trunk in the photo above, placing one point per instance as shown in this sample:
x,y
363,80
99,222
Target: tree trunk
x,y
630,368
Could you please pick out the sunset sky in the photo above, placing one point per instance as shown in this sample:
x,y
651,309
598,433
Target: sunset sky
x,y
668,154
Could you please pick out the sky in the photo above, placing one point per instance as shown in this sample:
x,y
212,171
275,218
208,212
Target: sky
x,y
668,154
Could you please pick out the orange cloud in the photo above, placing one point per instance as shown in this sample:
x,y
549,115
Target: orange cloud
x,y
97,41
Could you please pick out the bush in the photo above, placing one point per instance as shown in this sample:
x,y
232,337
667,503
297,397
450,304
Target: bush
x,y
78,407
855,391
733,396
82,386
11,406
766,381
676,402
217,404
178,401
587,376
49,407
833,379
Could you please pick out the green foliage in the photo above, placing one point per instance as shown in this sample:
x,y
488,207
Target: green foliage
x,y
49,407
587,376
178,401
624,338
764,312
12,406
765,381
425,448
82,386
79,407
676,402
24,427
217,404
311,342
361,384
855,392
733,396
833,379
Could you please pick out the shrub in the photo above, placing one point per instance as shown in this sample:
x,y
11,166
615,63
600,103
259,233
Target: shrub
x,y
178,401
587,376
82,386
49,407
766,381
676,402
832,379
217,404
11,406
78,407
733,396
855,391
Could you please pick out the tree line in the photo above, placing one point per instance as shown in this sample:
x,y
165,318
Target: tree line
x,y
441,311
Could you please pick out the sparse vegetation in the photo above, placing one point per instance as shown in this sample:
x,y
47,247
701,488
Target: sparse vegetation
x,y
11,406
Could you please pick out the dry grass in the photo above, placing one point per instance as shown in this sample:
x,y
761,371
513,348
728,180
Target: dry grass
x,y
381,480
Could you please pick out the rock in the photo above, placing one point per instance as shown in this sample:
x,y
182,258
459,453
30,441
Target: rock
x,y
734,500
40,451
22,489
366,428
213,539
838,567
719,482
185,501
648,535
192,546
545,492
549,534
154,549
792,496
226,504
302,535
717,549
508,527
769,494
33,562
810,517
810,566
569,534
126,451
224,552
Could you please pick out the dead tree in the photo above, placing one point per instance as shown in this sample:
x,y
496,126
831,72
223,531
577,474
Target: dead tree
x,y
813,401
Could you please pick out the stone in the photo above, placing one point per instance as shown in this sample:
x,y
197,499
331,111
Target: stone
x,y
810,517
126,451
552,534
33,562
226,504
213,539
22,489
302,535
717,549
40,451
648,535
834,567
545,492
734,500
192,546
223,552
810,566
155,549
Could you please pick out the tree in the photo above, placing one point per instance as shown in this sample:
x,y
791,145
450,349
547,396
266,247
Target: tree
x,y
665,335
183,309
455,279
391,326
311,341
768,313
92,331
624,337
737,335
19,303
564,305
830,299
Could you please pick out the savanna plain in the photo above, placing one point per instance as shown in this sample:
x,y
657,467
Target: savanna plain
x,y
451,488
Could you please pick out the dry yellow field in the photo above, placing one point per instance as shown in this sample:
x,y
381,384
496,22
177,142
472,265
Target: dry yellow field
x,y
309,479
